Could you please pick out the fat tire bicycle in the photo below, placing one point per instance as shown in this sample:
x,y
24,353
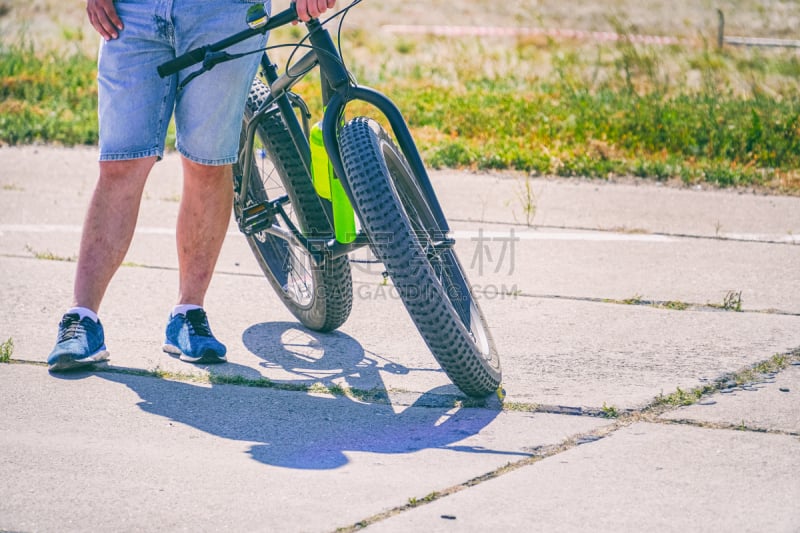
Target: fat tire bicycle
x,y
301,230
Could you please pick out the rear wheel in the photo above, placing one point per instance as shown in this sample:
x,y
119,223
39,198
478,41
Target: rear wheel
x,y
419,257
320,296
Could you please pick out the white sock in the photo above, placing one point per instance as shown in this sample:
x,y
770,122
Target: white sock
x,y
83,312
182,309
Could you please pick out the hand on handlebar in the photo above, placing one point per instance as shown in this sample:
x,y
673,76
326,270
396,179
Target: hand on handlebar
x,y
308,9
103,16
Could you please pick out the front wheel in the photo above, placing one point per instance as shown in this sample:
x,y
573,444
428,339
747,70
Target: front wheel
x,y
419,257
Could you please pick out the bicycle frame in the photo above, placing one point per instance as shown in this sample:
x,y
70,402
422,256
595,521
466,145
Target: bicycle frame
x,y
337,92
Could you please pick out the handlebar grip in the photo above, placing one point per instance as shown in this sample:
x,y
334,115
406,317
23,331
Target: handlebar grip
x,y
181,62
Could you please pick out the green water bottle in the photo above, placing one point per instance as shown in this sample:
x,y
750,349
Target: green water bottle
x,y
329,187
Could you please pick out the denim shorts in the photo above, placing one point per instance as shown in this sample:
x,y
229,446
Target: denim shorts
x,y
135,105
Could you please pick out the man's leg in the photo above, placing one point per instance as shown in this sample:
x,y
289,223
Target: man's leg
x,y
203,219
107,233
208,121
109,226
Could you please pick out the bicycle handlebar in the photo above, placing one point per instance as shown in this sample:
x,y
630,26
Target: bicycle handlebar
x,y
197,55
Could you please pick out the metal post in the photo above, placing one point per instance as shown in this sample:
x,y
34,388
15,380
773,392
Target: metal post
x,y
720,29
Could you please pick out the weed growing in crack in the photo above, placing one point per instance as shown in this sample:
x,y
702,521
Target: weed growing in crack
x,y
681,397
413,502
732,301
674,305
609,411
527,198
6,350
635,300
48,255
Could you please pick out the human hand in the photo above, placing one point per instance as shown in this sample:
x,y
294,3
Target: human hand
x,y
103,16
308,9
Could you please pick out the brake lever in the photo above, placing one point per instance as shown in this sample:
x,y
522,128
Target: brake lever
x,y
190,77
210,60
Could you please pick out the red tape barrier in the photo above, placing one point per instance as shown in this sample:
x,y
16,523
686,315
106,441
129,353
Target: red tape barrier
x,y
499,31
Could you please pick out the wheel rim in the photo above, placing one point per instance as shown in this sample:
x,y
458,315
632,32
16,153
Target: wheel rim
x,y
289,264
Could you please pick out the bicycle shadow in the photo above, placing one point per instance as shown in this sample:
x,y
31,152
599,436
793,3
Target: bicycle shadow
x,y
296,356
306,430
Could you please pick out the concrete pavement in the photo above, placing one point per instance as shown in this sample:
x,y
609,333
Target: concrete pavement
x,y
616,301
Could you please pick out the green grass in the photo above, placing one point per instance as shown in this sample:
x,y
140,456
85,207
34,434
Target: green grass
x,y
727,118
726,140
47,97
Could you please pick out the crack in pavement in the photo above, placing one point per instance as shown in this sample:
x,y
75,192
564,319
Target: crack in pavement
x,y
670,305
789,239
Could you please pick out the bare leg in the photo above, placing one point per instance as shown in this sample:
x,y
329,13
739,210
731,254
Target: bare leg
x,y
109,226
203,220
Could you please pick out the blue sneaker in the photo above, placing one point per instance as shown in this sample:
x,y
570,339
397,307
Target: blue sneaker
x,y
190,337
80,343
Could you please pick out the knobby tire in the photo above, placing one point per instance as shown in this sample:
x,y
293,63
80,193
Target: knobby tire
x,y
430,280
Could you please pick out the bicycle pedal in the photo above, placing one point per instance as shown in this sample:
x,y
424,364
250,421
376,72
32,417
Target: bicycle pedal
x,y
256,218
